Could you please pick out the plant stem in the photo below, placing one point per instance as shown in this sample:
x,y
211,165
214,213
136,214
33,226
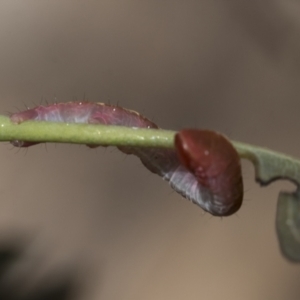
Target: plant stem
x,y
84,134
281,166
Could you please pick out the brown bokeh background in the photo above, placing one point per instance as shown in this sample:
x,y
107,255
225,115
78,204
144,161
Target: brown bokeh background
x,y
231,66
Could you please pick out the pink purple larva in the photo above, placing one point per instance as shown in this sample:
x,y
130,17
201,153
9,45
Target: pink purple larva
x,y
204,167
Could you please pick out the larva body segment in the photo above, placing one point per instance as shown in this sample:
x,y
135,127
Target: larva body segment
x,y
216,165
207,180
81,112
84,112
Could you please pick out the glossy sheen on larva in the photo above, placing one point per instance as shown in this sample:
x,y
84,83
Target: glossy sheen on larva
x,y
204,167
216,165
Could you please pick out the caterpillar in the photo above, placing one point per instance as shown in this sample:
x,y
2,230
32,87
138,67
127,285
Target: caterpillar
x,y
204,167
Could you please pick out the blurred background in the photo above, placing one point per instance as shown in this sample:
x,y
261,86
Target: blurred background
x,y
96,223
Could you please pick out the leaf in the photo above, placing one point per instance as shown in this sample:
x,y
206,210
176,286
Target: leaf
x,y
270,166
288,225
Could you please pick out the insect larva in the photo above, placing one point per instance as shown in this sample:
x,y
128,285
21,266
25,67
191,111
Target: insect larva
x,y
216,165
204,167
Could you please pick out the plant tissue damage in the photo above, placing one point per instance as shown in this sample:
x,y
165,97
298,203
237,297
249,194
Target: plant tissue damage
x,y
271,166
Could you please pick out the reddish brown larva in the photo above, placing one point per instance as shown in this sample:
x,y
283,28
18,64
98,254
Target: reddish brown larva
x,y
204,168
216,165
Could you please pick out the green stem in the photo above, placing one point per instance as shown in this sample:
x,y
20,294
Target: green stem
x,y
84,134
268,165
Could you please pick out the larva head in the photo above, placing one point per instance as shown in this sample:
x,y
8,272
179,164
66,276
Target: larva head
x,y
216,165
29,114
